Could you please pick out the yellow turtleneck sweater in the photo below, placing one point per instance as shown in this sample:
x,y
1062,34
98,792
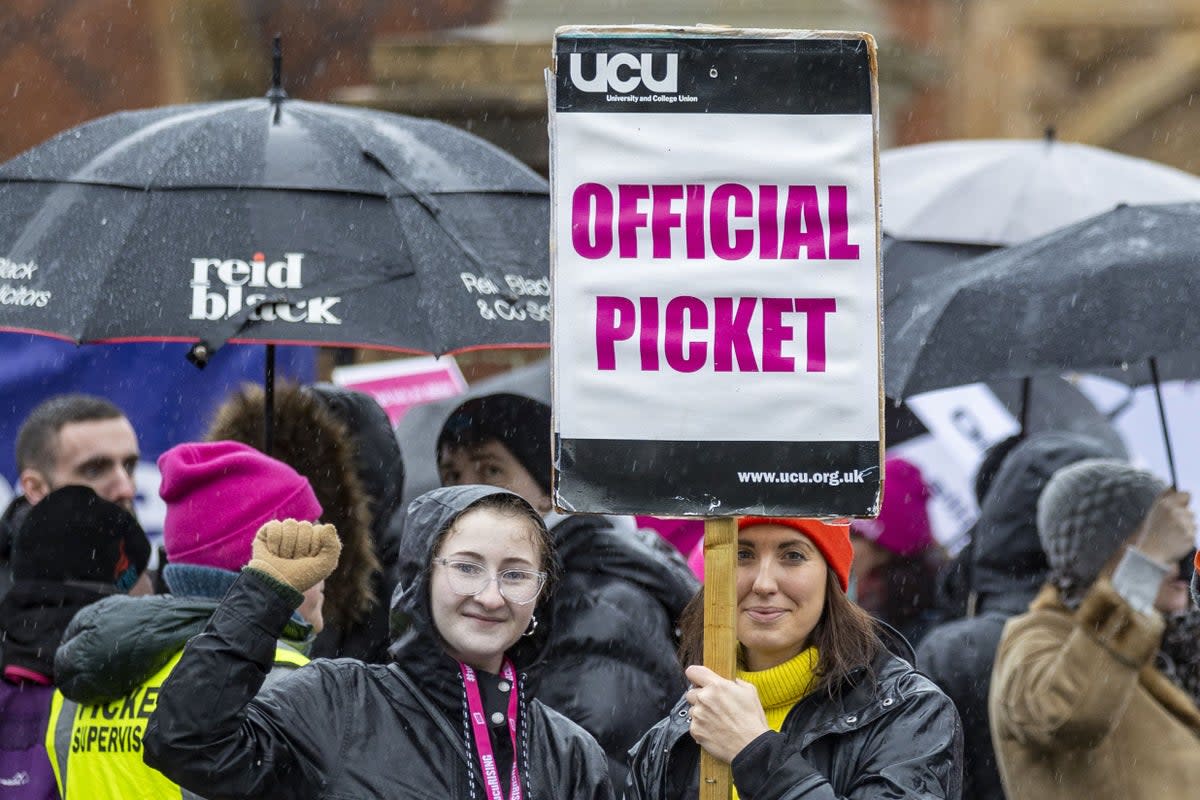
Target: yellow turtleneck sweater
x,y
781,687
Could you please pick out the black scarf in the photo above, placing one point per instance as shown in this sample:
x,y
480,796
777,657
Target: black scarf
x,y
33,617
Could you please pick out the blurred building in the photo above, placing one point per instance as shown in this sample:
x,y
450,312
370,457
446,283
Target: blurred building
x,y
488,78
1122,74
64,62
476,63
1118,73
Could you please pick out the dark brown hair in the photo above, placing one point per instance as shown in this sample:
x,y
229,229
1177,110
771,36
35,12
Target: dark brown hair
x,y
37,440
846,637
904,589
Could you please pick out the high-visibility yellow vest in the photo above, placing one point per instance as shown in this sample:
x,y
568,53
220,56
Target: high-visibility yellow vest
x,y
96,750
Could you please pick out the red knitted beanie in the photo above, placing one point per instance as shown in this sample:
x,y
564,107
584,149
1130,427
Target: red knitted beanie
x,y
832,539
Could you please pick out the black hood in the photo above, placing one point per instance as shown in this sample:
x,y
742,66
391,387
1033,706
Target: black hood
x,y
416,638
377,457
1008,557
615,547
12,519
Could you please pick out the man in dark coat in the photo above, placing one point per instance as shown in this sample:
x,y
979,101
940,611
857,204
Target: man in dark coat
x,y
1008,568
70,440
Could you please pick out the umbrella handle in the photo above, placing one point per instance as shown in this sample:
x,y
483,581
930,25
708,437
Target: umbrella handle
x,y
276,94
1162,419
1026,394
269,401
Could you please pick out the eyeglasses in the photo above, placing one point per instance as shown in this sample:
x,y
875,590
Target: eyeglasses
x,y
520,586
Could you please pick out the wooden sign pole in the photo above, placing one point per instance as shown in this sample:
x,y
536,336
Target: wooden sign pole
x,y
720,633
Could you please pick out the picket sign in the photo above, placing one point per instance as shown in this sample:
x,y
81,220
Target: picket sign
x,y
715,279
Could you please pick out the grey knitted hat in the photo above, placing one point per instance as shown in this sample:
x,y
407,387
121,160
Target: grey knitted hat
x,y
1087,511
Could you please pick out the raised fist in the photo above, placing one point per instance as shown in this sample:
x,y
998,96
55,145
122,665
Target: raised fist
x,y
299,554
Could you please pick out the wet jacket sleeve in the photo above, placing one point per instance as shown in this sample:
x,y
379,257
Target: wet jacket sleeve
x,y
920,758
590,771
643,779
211,735
1066,686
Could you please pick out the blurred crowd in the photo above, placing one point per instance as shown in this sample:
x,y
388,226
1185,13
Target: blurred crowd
x,y
303,633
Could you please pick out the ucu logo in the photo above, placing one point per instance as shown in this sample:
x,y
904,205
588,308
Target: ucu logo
x,y
624,72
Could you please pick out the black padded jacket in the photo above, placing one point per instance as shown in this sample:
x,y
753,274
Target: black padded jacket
x,y
892,736
343,728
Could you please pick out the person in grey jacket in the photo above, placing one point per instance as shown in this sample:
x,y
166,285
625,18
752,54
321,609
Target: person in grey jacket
x,y
454,714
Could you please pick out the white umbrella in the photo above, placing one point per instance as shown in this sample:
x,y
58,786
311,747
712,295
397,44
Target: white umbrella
x,y
1002,192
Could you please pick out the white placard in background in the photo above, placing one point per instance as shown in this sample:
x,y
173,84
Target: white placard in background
x,y
966,421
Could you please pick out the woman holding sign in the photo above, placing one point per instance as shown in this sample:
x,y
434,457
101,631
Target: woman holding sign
x,y
452,716
822,707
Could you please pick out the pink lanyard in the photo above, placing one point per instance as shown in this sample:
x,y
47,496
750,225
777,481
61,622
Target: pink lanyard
x,y
483,739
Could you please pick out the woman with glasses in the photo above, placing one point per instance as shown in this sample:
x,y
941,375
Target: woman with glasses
x,y
621,590
452,716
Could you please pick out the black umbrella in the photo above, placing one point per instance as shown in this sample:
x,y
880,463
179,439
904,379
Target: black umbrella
x,y
1044,403
947,202
232,222
276,221
904,261
1116,290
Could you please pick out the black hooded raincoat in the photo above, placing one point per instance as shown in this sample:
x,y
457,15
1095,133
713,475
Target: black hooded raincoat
x,y
342,728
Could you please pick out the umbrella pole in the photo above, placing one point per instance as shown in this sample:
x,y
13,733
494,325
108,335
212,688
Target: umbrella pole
x,y
1026,393
269,402
720,633
1162,419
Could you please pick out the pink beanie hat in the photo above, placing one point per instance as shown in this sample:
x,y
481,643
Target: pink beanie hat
x,y
902,526
218,495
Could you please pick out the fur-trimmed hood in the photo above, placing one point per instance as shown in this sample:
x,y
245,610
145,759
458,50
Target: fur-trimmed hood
x,y
311,439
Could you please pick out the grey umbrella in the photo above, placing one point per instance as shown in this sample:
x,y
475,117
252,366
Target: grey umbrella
x,y
418,429
1114,291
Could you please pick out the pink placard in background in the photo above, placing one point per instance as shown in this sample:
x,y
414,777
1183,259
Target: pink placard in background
x,y
403,383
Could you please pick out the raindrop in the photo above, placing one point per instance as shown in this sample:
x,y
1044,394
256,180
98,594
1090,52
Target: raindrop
x,y
104,220
712,73
1124,366
16,88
